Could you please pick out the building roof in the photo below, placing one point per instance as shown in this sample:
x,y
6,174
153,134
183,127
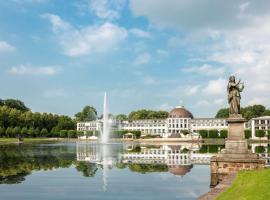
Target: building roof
x,y
263,117
180,112
180,170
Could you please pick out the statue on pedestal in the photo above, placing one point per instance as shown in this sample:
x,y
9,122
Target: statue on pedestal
x,y
234,89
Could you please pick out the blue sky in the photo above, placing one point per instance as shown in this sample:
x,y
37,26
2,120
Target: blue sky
x,y
58,56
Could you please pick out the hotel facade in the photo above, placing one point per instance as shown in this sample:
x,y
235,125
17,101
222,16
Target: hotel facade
x,y
179,120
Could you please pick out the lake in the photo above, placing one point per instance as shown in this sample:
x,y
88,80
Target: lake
x,y
110,171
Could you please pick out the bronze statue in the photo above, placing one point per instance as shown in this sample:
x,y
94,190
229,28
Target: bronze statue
x,y
234,89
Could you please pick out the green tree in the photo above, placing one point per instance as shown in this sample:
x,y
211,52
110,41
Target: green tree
x,y
37,132
63,133
203,133
16,131
31,132
259,149
71,134
121,117
55,132
247,133
17,104
2,131
9,132
89,113
44,132
24,131
223,133
223,113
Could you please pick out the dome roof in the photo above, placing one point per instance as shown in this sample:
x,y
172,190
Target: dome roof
x,y
180,112
180,170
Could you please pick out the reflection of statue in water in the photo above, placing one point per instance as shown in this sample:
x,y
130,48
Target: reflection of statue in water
x,y
234,89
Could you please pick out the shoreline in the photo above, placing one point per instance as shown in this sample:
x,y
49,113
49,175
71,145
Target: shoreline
x,y
150,140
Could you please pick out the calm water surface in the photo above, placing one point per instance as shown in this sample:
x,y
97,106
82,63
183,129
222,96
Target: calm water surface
x,y
113,171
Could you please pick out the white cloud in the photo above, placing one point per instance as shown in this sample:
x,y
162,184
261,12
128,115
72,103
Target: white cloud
x,y
193,90
205,69
191,14
216,87
30,70
6,47
140,33
142,59
84,41
106,9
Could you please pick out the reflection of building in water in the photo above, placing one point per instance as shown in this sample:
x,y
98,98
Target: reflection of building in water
x,y
90,153
178,160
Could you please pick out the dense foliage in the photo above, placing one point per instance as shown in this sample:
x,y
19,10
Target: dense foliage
x,y
248,112
88,113
16,119
147,114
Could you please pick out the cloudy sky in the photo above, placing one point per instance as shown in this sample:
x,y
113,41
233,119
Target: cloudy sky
x,y
59,55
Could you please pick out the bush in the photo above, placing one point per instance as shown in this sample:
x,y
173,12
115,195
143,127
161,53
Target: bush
x,y
260,133
203,149
259,149
213,134
9,132
63,133
79,133
15,131
37,132
89,133
2,131
185,132
203,133
223,133
31,132
247,133
71,134
213,148
24,131
55,132
44,132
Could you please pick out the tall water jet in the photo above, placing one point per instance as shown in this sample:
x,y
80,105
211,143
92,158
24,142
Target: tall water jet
x,y
106,125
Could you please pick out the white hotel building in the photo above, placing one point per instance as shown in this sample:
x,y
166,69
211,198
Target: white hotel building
x,y
179,119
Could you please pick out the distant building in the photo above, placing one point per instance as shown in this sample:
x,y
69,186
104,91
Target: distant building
x,y
259,123
179,120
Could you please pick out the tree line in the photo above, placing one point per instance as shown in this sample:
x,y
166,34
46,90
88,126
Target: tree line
x,y
18,120
248,112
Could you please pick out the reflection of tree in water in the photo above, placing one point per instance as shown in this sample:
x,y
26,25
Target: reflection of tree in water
x,y
144,168
18,161
88,169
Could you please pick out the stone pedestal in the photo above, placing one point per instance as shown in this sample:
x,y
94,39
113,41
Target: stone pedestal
x,y
236,156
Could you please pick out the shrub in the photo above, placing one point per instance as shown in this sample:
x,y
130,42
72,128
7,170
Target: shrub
x,y
260,133
213,148
44,132
247,133
79,133
31,132
37,132
15,131
89,133
203,149
2,131
259,149
203,133
213,134
185,132
63,133
223,133
9,132
71,133
24,131
55,132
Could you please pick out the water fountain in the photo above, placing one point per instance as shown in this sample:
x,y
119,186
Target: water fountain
x,y
105,133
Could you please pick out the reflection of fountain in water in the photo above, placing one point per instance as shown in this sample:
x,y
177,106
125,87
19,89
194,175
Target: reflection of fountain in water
x,y
106,123
106,162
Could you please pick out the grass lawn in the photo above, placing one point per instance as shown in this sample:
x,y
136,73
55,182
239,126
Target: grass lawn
x,y
249,185
26,140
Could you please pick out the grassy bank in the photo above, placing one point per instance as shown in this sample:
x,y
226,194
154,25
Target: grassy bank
x,y
249,185
27,140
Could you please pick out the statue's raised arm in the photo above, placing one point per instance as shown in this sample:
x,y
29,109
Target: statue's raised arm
x,y
234,89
